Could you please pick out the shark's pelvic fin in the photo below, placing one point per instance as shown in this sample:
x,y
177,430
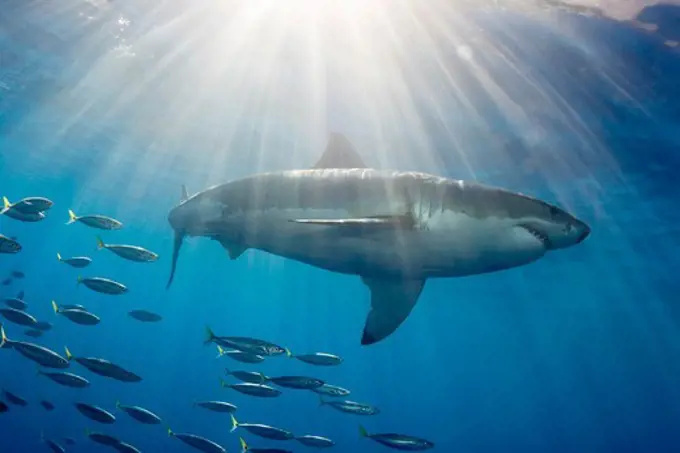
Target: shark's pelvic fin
x,y
233,249
391,302
339,153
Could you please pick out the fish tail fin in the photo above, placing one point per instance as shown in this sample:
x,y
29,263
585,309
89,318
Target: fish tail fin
x,y
3,337
170,433
234,423
6,205
100,243
58,256
227,371
362,431
288,353
55,307
117,404
223,384
79,280
69,356
72,217
220,351
264,378
244,445
322,402
209,335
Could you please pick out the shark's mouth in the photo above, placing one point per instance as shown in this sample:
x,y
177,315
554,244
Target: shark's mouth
x,y
538,234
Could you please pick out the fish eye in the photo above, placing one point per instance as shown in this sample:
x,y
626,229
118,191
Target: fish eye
x,y
568,228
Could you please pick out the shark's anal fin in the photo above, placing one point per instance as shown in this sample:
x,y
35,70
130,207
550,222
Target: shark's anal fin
x,y
339,153
391,302
234,249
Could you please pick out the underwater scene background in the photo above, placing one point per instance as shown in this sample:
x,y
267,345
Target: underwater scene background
x,y
108,107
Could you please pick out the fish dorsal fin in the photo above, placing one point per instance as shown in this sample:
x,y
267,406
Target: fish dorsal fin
x,y
391,302
185,195
339,153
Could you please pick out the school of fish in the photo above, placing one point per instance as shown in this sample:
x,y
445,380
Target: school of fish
x,y
524,228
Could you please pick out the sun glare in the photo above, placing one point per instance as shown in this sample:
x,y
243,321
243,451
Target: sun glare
x,y
226,87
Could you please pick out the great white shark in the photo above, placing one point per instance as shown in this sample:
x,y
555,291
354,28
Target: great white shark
x,y
394,229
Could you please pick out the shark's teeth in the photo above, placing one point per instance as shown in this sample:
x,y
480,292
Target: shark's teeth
x,y
538,234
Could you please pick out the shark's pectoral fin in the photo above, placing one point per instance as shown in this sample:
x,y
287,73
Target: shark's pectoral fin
x,y
339,153
365,224
233,249
391,302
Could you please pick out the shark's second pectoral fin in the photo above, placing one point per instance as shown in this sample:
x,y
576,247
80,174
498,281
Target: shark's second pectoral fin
x,y
405,221
391,302
233,249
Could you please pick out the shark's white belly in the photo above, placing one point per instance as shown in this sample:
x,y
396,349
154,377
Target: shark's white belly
x,y
445,244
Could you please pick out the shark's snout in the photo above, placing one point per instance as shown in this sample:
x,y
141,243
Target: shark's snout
x,y
585,232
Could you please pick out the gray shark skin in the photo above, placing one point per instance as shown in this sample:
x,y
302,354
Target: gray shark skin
x,y
393,229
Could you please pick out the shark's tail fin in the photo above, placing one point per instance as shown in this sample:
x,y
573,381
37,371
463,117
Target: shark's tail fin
x,y
177,245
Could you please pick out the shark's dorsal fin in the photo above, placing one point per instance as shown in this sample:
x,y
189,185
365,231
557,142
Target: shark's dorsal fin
x,y
391,302
185,194
339,153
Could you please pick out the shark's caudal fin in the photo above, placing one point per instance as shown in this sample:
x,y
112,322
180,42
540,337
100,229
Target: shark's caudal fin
x,y
177,244
391,302
339,153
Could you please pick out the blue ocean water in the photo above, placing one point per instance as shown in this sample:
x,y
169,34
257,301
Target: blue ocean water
x,y
107,107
